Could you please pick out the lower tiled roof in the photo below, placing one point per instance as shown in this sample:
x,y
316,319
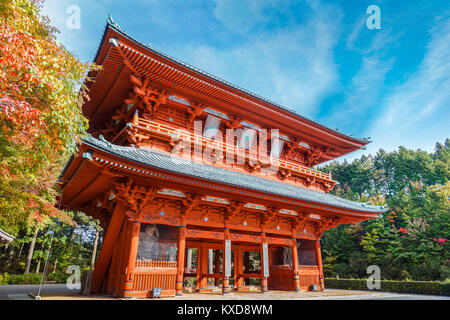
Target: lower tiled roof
x,y
230,177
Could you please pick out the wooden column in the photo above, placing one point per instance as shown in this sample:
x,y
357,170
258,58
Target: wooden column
x,y
235,273
319,263
295,264
133,242
238,270
180,257
226,261
109,241
112,270
217,265
116,262
204,270
199,268
263,267
247,266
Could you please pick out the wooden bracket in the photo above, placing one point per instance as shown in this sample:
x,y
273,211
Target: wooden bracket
x,y
135,196
233,210
194,112
233,123
189,202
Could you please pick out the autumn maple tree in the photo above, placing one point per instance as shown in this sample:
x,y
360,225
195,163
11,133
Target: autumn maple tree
x,y
41,91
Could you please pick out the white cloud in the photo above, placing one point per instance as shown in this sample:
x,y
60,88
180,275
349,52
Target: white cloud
x,y
262,63
417,112
361,96
241,15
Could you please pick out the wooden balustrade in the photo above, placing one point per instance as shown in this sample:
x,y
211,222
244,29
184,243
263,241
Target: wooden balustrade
x,y
151,274
155,264
168,131
281,277
280,267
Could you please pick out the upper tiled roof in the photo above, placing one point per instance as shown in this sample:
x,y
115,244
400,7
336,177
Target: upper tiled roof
x,y
113,25
230,177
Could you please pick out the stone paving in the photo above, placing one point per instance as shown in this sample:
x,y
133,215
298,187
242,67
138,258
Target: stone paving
x,y
61,292
328,294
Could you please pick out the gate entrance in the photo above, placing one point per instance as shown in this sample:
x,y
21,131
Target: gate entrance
x,y
205,267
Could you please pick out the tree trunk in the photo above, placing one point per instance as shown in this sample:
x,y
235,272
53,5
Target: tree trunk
x,y
54,266
94,249
11,253
31,251
20,251
38,266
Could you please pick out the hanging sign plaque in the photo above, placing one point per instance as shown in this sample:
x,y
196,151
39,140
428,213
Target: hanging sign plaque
x,y
266,259
227,258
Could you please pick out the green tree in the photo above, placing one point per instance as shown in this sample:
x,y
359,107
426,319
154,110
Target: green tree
x,y
411,240
41,91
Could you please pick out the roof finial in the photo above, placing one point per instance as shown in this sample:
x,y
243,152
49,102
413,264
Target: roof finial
x,y
111,22
102,139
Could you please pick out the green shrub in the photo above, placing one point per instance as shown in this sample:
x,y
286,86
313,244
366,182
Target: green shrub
x,y
59,277
4,278
415,287
32,278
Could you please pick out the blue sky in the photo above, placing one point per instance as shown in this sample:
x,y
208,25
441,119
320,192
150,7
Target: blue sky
x,y
317,57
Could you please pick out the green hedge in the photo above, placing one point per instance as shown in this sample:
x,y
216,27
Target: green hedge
x,y
32,278
416,287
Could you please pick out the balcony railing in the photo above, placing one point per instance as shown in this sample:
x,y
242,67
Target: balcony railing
x,y
150,274
168,132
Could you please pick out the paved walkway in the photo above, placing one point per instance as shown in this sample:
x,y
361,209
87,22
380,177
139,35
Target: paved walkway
x,y
61,292
21,291
327,294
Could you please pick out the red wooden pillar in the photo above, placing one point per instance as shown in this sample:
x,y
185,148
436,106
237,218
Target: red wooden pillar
x,y
238,270
180,257
199,267
295,264
116,262
109,241
247,266
204,269
131,258
123,261
319,263
225,259
217,266
263,271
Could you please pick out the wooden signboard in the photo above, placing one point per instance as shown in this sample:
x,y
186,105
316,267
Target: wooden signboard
x,y
227,259
265,258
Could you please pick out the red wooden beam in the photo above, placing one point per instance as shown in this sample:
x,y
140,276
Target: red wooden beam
x,y
109,242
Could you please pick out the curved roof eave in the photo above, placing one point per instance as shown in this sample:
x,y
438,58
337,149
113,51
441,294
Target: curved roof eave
x,y
216,174
115,27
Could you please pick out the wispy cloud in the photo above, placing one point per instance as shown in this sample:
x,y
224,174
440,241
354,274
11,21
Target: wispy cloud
x,y
416,110
361,95
263,62
315,57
